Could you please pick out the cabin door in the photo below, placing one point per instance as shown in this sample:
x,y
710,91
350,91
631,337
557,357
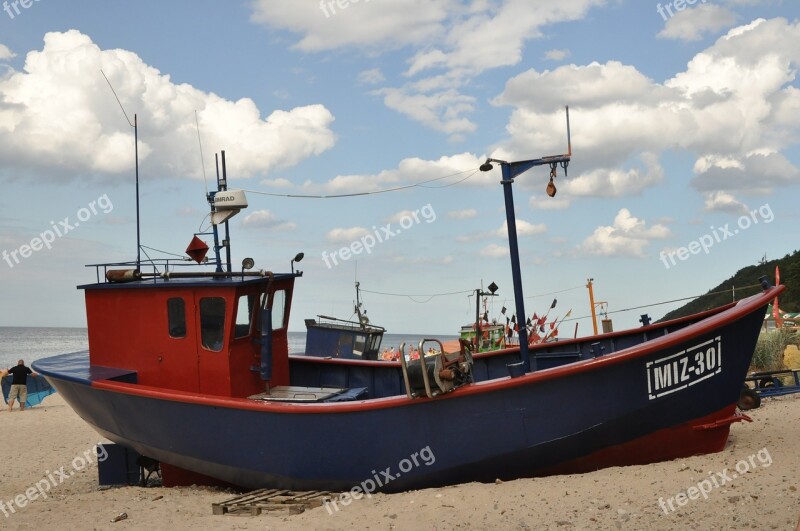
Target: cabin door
x,y
177,354
213,313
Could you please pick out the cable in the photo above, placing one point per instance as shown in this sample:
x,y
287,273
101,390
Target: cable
x,y
165,252
374,192
115,95
202,161
411,297
555,292
666,302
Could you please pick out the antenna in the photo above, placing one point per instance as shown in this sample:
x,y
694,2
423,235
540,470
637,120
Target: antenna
x,y
202,159
135,126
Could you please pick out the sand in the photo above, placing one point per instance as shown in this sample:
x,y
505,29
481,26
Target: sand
x,y
42,439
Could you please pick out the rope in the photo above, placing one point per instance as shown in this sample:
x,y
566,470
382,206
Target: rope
x,y
668,302
374,192
411,297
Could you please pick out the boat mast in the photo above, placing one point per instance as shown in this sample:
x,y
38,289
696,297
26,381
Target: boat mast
x,y
478,294
223,186
591,303
214,225
362,320
511,170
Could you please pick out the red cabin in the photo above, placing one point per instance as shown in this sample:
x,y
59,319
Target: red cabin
x,y
224,335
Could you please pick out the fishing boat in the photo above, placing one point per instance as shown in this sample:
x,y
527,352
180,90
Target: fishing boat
x,y
192,369
330,337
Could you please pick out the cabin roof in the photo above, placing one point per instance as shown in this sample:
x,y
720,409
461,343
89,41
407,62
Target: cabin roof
x,y
172,283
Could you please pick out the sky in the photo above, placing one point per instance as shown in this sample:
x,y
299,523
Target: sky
x,y
685,122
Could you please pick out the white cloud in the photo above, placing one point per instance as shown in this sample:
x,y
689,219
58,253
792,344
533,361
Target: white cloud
x,y
754,173
448,169
264,219
557,55
524,228
463,214
724,202
494,33
628,236
378,25
734,98
450,42
692,24
342,235
594,85
277,183
606,182
371,77
442,110
549,203
6,53
396,218
421,260
59,112
494,251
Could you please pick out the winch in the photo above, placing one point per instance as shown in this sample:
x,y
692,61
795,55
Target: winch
x,y
436,372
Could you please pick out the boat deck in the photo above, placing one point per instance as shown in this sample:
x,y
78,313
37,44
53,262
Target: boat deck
x,y
296,393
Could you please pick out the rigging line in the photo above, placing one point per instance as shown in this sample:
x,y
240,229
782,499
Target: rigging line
x,y
356,194
115,95
202,159
429,299
431,296
200,228
450,184
666,302
555,292
160,251
152,262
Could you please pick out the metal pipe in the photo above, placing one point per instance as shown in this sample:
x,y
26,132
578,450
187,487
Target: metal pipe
x,y
214,227
227,241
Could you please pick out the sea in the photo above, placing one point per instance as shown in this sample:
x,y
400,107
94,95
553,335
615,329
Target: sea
x,y
32,343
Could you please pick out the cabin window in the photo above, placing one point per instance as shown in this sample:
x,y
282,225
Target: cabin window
x,y
176,317
375,343
212,322
278,309
244,314
361,342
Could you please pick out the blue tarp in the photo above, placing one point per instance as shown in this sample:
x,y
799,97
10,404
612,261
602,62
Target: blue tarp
x,y
38,389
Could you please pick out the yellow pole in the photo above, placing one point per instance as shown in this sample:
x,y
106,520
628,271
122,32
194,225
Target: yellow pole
x,y
591,303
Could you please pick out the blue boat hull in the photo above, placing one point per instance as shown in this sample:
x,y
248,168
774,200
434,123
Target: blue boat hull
x,y
668,397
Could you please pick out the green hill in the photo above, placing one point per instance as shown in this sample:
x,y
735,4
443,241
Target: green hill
x,y
748,276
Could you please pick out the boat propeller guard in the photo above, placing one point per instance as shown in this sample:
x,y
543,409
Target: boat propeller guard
x,y
435,372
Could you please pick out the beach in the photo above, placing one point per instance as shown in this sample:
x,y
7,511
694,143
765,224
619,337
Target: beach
x,y
752,484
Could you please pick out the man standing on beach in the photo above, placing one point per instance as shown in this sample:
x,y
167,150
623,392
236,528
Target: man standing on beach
x,y
19,385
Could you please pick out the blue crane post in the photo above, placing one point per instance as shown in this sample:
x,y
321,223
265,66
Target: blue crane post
x,y
511,170
511,222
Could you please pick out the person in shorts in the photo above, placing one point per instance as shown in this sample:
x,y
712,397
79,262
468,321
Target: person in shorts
x,y
19,385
